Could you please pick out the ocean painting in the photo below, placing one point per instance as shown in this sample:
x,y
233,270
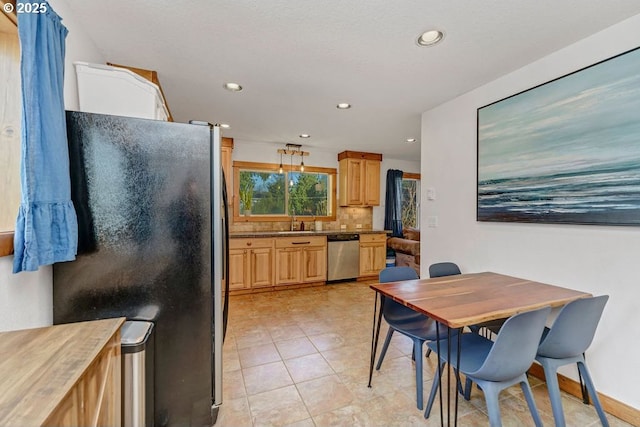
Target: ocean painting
x,y
567,151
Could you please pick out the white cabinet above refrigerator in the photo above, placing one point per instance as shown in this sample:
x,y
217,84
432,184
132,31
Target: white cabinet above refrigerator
x,y
105,89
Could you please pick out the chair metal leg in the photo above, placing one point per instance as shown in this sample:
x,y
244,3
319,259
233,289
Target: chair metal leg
x,y
583,387
387,340
592,392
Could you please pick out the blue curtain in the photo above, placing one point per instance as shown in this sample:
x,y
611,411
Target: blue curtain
x,y
46,228
393,203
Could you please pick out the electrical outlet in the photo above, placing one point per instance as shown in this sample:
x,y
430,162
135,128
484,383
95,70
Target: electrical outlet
x,y
343,226
358,226
432,221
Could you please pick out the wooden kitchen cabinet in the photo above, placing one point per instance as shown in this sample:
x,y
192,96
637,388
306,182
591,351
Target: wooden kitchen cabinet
x,y
301,260
359,178
373,254
226,152
288,269
251,263
314,263
62,375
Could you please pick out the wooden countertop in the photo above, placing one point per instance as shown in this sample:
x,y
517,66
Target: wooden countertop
x,y
39,366
254,234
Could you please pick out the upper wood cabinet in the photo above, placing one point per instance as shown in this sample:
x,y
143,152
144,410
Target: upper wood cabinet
x,y
226,150
359,178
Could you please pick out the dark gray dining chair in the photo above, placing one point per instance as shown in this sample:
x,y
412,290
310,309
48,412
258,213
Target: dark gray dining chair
x,y
496,365
566,342
441,269
417,326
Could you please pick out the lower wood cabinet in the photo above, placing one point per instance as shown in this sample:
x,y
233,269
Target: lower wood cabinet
x,y
62,375
314,263
95,399
288,269
301,260
373,254
251,263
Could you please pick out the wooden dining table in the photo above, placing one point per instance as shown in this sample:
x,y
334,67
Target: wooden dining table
x,y
464,300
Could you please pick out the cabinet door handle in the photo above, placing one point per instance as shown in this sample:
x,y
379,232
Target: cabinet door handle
x,y
300,243
248,243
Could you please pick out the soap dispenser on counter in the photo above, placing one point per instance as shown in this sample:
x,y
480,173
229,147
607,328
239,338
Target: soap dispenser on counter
x,y
301,225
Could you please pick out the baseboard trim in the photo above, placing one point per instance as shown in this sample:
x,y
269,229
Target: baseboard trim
x,y
611,406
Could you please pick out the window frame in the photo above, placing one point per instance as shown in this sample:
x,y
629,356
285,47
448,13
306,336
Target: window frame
x,y
6,236
272,167
409,176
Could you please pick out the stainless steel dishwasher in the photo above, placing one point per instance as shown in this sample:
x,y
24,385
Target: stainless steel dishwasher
x,y
343,256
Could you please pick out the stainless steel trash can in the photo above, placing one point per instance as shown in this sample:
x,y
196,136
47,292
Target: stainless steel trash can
x,y
137,373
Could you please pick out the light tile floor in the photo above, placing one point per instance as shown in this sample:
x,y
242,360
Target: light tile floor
x,y
301,358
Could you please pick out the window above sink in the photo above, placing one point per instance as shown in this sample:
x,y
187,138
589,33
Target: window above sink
x,y
262,193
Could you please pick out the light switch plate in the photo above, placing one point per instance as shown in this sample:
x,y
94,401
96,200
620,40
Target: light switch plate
x,y
431,193
432,221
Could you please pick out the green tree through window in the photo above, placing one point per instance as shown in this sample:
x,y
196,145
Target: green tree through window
x,y
269,193
410,203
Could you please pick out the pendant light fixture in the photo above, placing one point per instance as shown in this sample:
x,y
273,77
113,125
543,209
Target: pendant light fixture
x,y
292,150
280,170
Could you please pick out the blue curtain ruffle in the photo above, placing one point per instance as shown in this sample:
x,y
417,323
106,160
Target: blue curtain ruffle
x,y
46,228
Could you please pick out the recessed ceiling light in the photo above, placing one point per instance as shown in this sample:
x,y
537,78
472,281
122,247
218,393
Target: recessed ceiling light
x,y
305,135
410,140
224,126
343,106
430,38
233,87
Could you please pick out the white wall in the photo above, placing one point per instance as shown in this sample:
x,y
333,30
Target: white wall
x,y
596,259
26,298
247,151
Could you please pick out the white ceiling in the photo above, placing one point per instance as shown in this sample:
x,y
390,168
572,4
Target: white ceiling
x,y
296,59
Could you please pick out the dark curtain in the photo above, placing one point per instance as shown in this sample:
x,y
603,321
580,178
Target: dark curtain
x,y
46,228
393,203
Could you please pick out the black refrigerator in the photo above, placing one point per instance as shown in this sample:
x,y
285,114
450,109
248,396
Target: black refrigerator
x,y
152,245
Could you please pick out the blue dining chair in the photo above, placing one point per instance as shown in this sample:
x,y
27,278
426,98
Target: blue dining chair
x,y
564,343
417,326
496,365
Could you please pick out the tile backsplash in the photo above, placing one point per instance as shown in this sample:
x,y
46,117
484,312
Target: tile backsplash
x,y
348,216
